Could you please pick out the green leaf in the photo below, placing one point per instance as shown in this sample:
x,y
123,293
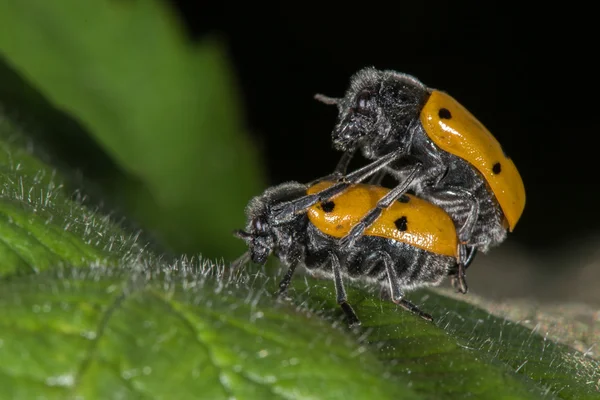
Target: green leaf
x,y
40,226
110,334
165,109
466,350
89,313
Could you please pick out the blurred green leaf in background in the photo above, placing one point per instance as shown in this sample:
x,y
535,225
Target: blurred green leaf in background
x,y
164,109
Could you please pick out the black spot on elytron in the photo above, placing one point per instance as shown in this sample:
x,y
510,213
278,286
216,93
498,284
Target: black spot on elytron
x,y
497,168
444,113
404,199
401,223
328,206
410,191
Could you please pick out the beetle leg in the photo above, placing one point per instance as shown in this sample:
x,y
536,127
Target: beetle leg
x,y
470,257
396,292
377,178
466,253
342,165
342,298
450,194
466,230
458,280
284,284
284,212
340,169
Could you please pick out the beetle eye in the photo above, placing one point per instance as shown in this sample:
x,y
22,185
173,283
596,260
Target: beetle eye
x,y
363,102
259,224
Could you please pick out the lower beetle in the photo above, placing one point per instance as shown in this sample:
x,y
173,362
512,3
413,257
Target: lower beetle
x,y
413,244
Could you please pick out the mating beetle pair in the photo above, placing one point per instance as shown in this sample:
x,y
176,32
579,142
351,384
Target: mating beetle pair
x,y
431,145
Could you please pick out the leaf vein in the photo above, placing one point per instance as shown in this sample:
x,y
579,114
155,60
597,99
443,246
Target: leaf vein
x,y
208,348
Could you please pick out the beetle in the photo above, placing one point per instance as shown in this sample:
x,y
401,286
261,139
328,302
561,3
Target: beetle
x,y
431,145
413,244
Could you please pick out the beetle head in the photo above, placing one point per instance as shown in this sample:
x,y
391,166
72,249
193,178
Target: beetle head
x,y
377,112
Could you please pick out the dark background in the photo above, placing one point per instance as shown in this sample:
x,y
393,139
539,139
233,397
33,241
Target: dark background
x,y
529,77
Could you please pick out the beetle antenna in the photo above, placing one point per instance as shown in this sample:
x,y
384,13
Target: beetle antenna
x,y
241,234
326,99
